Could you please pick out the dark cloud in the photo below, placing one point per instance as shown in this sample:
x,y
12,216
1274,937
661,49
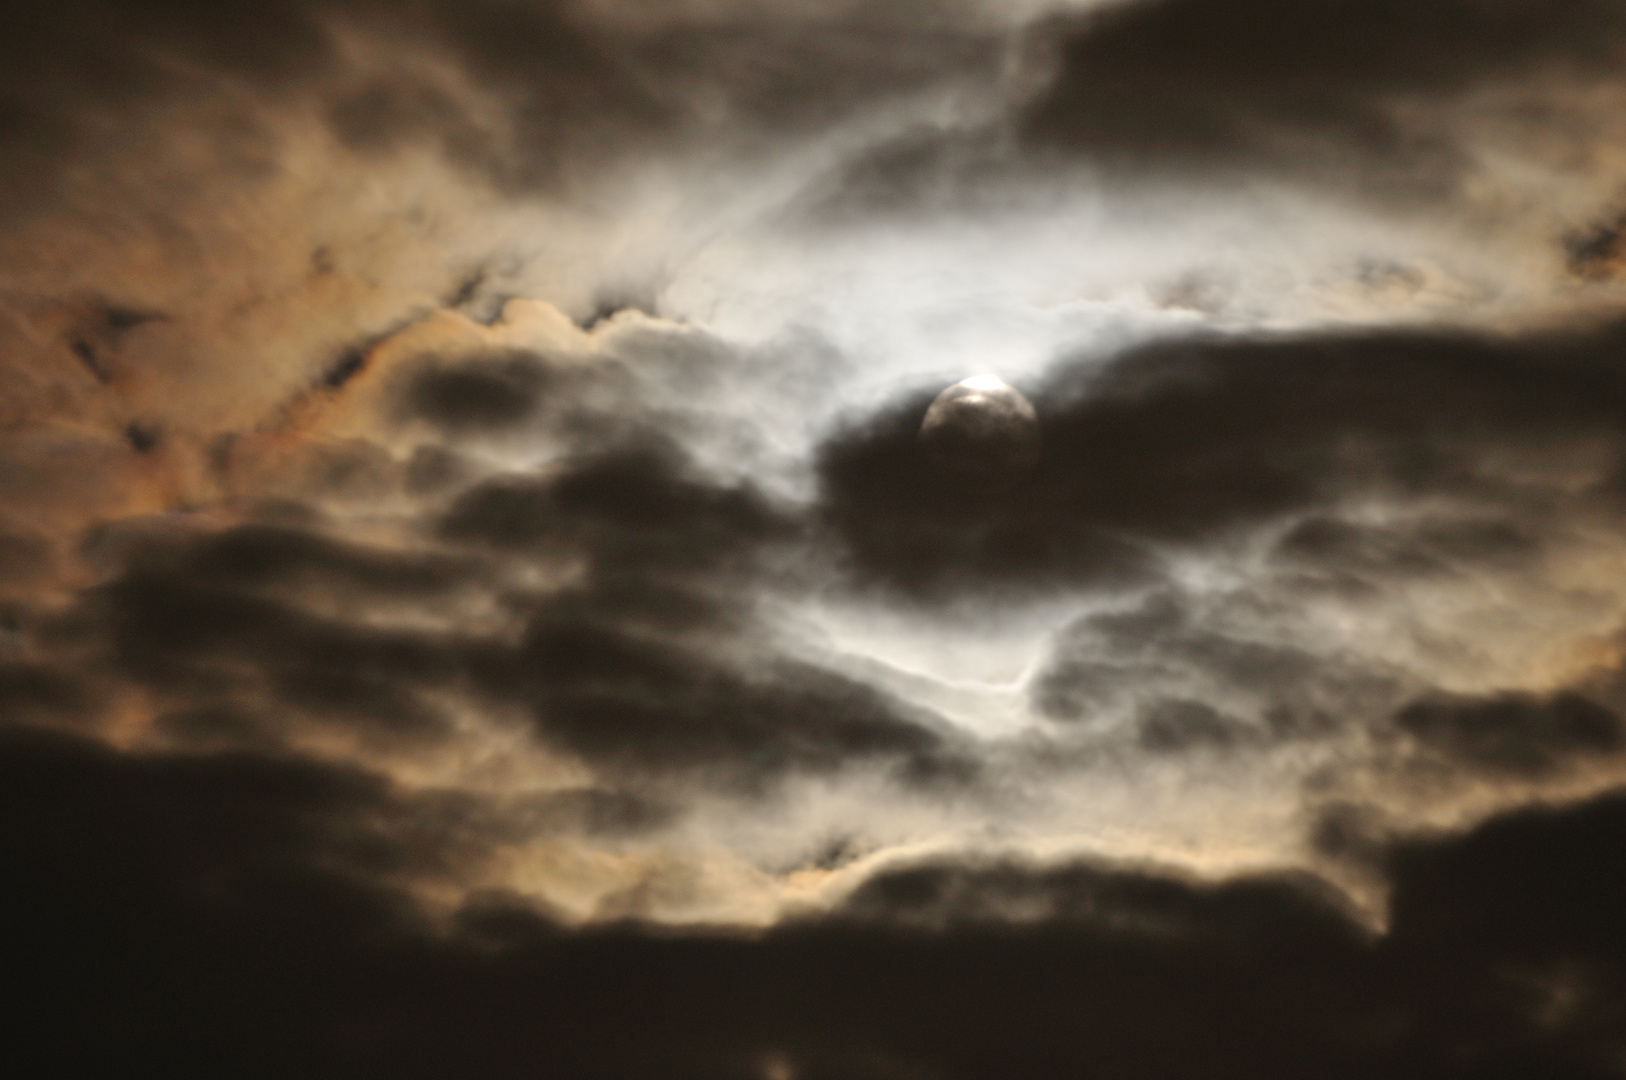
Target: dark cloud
x,y
1193,81
24,558
778,74
1192,683
432,470
635,395
1514,733
480,393
64,64
231,625
386,114
1361,98
910,524
240,914
650,661
637,509
138,877
93,329
648,655
621,698
1152,903
205,642
1177,444
567,93
596,811
1596,252
1171,725
218,727
541,94
1366,554
260,554
41,693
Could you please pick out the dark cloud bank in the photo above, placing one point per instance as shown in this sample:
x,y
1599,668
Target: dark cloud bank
x,y
223,914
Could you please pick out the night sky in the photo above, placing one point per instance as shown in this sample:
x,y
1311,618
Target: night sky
x,y
477,597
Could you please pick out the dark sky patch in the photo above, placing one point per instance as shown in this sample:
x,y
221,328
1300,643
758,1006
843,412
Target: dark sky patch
x,y
351,360
467,289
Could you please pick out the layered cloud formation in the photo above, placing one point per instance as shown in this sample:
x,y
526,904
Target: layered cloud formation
x,y
474,599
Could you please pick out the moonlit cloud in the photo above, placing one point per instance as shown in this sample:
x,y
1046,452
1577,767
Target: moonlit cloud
x,y
475,597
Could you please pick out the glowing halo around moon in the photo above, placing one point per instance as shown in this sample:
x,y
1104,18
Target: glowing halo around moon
x,y
983,430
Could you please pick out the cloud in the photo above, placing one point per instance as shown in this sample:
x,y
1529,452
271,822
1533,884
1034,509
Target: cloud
x,y
467,554
646,652
200,641
227,879
491,394
1193,83
645,661
1513,733
68,64
1177,444
40,692
1183,668
1360,554
536,97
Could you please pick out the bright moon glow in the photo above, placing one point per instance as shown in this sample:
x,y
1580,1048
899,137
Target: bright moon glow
x,y
985,382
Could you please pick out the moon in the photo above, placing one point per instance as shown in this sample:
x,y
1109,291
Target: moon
x,y
982,429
